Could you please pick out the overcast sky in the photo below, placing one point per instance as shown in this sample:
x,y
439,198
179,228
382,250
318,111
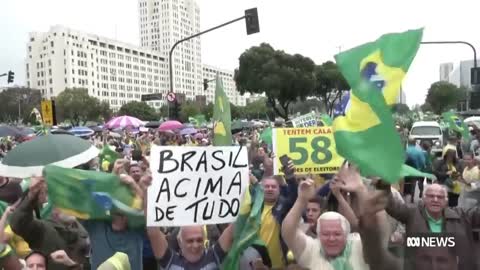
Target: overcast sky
x,y
315,28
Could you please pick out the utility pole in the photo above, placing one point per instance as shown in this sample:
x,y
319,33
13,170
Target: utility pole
x,y
474,72
252,25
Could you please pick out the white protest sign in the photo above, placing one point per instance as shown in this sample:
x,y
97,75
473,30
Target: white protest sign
x,y
306,120
196,185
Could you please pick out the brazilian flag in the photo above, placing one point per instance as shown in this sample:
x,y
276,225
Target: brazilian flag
x,y
222,119
453,122
246,227
198,120
366,134
91,195
326,120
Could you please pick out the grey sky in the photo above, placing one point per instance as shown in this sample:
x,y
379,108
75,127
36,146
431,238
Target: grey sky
x,y
314,28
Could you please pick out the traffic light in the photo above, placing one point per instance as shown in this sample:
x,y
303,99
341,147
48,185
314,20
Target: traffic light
x,y
475,99
175,108
205,84
11,76
475,75
251,21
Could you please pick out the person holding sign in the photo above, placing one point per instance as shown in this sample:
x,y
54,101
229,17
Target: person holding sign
x,y
193,254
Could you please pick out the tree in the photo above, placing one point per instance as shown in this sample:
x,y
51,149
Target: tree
x,y
426,107
18,98
76,106
443,96
256,109
284,78
329,85
138,109
207,111
400,109
189,109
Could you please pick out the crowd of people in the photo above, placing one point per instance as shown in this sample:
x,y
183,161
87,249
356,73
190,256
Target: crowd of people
x,y
334,222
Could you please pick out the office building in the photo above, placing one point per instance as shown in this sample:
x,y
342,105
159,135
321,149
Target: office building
x,y
445,71
164,22
210,72
459,74
111,70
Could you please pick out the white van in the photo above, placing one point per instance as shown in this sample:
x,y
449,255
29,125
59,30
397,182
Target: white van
x,y
430,131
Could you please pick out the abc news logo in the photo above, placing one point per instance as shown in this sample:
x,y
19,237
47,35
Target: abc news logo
x,y
430,241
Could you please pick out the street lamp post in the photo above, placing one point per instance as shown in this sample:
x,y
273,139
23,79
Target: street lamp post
x,y
251,19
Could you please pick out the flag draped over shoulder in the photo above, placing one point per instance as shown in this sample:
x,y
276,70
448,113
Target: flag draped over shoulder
x,y
247,227
222,119
91,195
366,135
454,123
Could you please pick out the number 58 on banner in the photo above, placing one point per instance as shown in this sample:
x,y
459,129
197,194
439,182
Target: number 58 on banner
x,y
312,149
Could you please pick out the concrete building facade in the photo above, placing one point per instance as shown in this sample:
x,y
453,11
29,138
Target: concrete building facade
x,y
112,71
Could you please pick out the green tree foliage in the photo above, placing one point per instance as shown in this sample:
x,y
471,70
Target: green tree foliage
x,y
401,109
329,85
76,106
443,96
138,109
284,78
12,97
207,111
189,109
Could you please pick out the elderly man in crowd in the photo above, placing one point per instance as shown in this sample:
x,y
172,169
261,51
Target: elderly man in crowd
x,y
193,254
336,247
434,216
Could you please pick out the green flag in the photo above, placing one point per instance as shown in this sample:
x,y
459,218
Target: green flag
x,y
107,156
198,120
92,195
247,227
410,171
366,135
326,120
453,122
222,119
266,135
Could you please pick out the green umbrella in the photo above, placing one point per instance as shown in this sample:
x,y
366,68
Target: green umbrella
x,y
29,158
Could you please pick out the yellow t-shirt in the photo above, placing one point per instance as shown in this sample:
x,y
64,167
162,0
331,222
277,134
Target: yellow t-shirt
x,y
457,188
270,234
17,243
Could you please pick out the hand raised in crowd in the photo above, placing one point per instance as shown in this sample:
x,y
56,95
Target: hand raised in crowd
x,y
120,166
11,208
306,190
253,179
349,179
38,189
126,179
61,257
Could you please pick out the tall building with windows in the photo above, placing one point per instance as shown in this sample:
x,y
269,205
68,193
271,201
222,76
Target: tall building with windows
x,y
164,22
445,71
210,73
111,70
